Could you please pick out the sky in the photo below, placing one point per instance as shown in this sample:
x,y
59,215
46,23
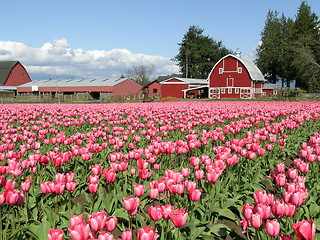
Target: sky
x,y
106,38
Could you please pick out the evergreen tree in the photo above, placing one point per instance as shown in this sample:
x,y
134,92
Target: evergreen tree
x,y
269,50
198,53
306,48
290,49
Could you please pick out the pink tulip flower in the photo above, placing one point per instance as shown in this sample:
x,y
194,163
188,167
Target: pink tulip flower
x,y
55,234
304,229
273,227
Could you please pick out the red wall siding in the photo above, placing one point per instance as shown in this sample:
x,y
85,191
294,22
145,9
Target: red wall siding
x,y
173,90
269,92
18,76
153,86
126,88
229,64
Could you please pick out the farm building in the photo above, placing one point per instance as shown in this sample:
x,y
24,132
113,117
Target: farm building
x,y
12,74
270,90
175,87
235,77
232,77
82,89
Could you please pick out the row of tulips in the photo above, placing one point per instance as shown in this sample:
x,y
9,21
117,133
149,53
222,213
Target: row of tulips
x,y
294,196
158,162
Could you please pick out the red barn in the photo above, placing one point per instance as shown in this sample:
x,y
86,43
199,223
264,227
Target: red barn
x,y
12,74
177,87
235,77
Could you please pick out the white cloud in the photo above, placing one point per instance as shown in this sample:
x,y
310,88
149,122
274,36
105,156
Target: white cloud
x,y
57,59
253,54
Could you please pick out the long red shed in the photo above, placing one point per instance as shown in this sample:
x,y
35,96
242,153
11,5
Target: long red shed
x,y
117,88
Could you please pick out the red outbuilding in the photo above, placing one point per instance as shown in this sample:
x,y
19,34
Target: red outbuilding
x,y
235,77
176,87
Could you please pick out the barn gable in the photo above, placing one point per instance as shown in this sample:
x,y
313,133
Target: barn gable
x,y
12,73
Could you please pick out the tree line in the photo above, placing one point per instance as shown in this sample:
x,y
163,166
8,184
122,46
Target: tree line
x,y
289,51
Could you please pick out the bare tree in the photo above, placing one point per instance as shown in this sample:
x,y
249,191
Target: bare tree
x,y
141,73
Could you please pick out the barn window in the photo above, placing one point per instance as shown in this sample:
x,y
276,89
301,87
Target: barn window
x,y
229,90
155,90
220,70
236,90
223,90
275,92
239,69
264,93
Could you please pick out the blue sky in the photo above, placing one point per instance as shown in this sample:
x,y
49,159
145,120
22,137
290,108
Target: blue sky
x,y
102,38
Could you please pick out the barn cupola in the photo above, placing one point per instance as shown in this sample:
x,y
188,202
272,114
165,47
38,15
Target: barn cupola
x,y
238,54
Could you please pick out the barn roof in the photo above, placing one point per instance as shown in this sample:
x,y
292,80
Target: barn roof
x,y
5,69
270,86
192,81
252,68
75,82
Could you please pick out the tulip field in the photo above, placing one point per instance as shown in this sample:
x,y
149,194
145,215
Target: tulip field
x,y
176,170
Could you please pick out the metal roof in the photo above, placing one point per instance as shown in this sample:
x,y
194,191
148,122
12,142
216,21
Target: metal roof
x,y
188,80
75,82
5,69
271,86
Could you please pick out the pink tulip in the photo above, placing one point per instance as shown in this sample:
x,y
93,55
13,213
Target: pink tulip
x,y
79,231
166,209
260,196
256,220
76,219
96,169
97,220
131,204
126,235
138,190
59,187
179,217
273,227
154,193
247,211
278,208
70,186
111,223
155,213
55,234
280,167
105,236
292,173
289,209
147,233
263,209
195,194
304,229
244,225
14,197
281,180
93,187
